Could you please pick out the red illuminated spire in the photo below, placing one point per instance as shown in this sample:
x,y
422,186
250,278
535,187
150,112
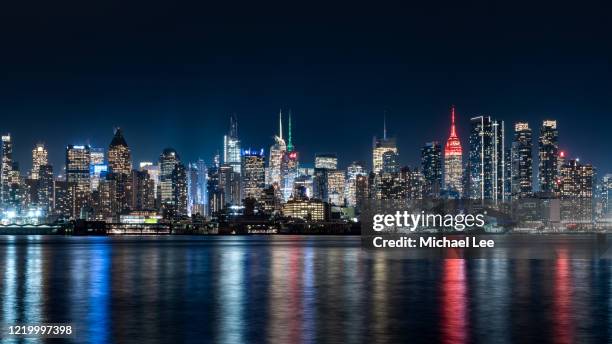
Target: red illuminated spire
x,y
453,145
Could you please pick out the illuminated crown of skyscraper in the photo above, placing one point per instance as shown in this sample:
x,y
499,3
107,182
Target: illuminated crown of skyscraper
x,y
453,145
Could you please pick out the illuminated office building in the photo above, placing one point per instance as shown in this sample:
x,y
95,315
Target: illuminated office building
x,y
289,170
390,162
97,172
196,185
97,156
431,167
154,173
453,161
306,209
606,196
327,161
522,161
229,184
173,184
231,146
253,173
335,187
119,157
548,155
78,160
305,183
6,168
277,152
354,170
380,147
488,165
39,158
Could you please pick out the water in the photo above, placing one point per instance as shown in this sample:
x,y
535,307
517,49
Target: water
x,y
283,289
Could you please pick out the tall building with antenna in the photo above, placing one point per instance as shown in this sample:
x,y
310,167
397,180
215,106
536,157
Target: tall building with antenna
x,y
380,147
231,146
277,152
453,161
289,166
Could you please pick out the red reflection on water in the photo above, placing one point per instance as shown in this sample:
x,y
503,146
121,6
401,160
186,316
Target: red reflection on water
x,y
563,329
454,322
295,299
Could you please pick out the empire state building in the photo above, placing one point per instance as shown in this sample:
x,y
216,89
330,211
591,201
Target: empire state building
x,y
453,156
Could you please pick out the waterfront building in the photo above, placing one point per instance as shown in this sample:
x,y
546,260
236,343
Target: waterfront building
x,y
576,184
306,209
39,158
142,192
173,184
548,156
431,167
453,161
522,161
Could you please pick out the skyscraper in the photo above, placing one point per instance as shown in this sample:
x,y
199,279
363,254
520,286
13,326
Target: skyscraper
x,y
548,154
231,146
196,185
253,173
453,161
173,184
335,187
380,147
45,187
119,157
78,160
39,158
487,159
167,162
277,152
576,184
354,170
6,168
431,166
522,161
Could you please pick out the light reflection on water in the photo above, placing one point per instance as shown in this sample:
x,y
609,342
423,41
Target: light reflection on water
x,y
294,289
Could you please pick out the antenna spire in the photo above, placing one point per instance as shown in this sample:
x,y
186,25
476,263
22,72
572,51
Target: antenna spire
x,y
289,141
385,125
280,123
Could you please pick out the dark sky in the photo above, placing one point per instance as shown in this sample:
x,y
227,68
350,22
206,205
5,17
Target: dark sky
x,y
171,73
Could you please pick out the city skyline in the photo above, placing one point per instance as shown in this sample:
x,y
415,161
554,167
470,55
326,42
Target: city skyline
x,y
56,155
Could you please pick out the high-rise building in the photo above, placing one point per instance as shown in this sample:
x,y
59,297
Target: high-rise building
x,y
335,187
390,162
453,161
277,152
229,184
548,154
45,187
196,186
289,166
522,161
606,196
119,157
379,147
431,166
6,168
97,156
231,146
326,160
173,185
142,195
253,173
576,184
487,159
39,158
78,160
154,173
354,170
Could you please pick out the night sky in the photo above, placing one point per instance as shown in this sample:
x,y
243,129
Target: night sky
x,y
170,74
